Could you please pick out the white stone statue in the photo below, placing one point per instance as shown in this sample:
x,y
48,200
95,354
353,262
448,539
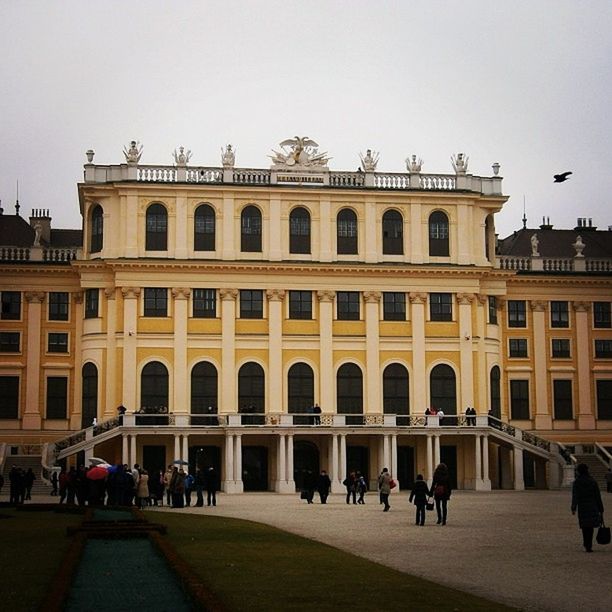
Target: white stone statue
x,y
579,246
37,233
413,164
369,162
228,156
133,154
181,158
534,245
299,151
460,163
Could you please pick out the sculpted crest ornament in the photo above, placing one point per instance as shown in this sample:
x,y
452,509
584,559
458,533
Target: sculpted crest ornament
x,y
134,153
299,151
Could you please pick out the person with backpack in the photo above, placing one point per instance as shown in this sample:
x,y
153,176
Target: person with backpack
x,y
441,491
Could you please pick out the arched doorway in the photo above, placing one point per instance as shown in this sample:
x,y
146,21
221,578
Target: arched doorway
x,y
443,389
305,459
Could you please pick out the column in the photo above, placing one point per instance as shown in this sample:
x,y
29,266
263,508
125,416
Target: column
x,y
110,391
31,416
326,377
132,450
386,452
372,316
393,467
281,460
177,446
482,376
76,416
586,415
417,316
429,474
477,463
519,483
238,464
436,457
464,235
125,457
464,300
334,468
228,354
342,467
275,230
486,480
229,463
185,455
181,384
372,226
130,340
543,419
290,480
274,394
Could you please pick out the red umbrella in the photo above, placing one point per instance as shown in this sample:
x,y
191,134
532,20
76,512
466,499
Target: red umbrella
x,y
97,472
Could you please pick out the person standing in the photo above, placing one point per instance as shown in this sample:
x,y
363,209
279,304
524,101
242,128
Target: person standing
x,y
323,486
200,483
586,498
167,478
384,485
29,483
142,490
441,491
350,483
54,483
419,494
63,484
362,487
316,409
189,482
212,486
310,482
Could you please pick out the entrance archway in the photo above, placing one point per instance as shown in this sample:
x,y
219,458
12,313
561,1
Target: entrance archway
x,y
305,459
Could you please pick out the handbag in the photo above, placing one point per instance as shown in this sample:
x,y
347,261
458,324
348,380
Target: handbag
x,y
392,484
429,505
603,535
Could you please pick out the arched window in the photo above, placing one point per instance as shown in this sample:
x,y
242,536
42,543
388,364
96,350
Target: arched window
x,y
204,228
395,390
346,232
251,389
301,388
299,230
393,233
204,388
154,387
89,394
438,234
97,229
349,389
443,389
495,391
157,228
250,230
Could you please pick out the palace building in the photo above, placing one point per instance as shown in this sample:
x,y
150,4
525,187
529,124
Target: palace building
x,y
272,321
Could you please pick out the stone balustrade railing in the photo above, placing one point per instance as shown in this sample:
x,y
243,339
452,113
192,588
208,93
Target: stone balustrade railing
x,y
558,265
251,176
346,179
204,175
598,265
48,255
509,262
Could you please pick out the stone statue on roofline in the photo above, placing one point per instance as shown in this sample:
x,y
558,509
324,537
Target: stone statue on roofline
x,y
299,151
181,158
370,161
579,246
460,163
534,245
228,156
413,164
133,153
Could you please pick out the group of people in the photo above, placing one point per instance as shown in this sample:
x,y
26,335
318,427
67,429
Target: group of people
x,y
440,491
179,486
20,482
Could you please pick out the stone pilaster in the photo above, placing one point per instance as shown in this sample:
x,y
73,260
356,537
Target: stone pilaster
x,y
543,418
227,400
326,379
586,416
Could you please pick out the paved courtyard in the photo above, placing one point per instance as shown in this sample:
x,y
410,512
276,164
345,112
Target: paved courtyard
x,y
520,548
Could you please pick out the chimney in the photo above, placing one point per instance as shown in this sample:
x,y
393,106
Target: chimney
x,y
546,224
40,216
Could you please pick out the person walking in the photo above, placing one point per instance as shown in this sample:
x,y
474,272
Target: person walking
x,y
200,483
441,491
29,483
586,498
323,486
310,483
142,490
189,483
167,478
362,487
54,482
384,485
418,496
212,486
351,487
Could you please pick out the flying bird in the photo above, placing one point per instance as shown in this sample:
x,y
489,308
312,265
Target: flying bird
x,y
559,178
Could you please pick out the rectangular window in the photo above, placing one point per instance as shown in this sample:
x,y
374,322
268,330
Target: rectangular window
x,y
601,314
394,306
155,302
517,313
518,347
251,304
300,304
604,400
348,305
561,348
57,397
204,303
492,310
57,343
441,306
58,306
519,399
603,349
562,398
9,397
9,342
559,314
11,305
92,303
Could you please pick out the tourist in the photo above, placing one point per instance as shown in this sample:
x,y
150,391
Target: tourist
x,y
167,477
177,485
63,484
200,483
440,414
586,498
189,482
316,409
351,487
441,491
323,486
142,490
384,485
54,482
29,479
15,478
362,487
310,482
418,496
212,486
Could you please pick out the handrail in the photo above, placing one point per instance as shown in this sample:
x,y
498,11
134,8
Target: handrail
x,y
3,449
567,455
603,454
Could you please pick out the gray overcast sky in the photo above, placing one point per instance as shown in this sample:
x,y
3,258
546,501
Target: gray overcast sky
x,y
525,83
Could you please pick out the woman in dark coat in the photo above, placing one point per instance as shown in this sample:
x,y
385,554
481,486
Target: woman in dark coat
x,y
587,499
441,491
419,495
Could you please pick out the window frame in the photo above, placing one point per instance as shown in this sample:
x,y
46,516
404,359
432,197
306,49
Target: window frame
x,y
492,309
8,311
156,227
9,397
394,306
441,307
56,398
53,344
392,221
92,303
348,305
438,231
519,402
602,315
153,299
559,314
300,231
10,342
59,306
249,300
603,348
558,352
347,232
297,303
563,403
603,393
199,303
517,313
204,237
518,348
96,237
251,229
